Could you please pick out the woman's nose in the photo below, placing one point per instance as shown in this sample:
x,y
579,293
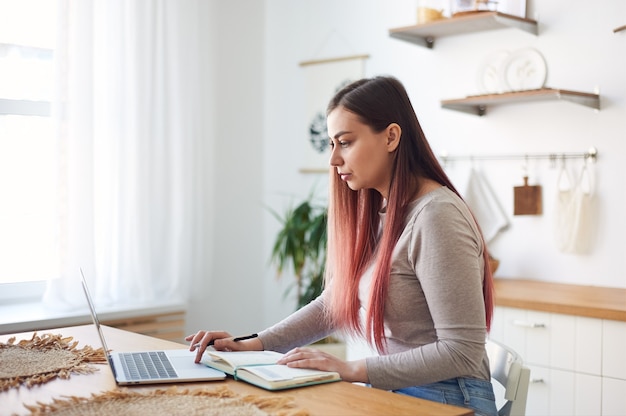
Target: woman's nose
x,y
335,160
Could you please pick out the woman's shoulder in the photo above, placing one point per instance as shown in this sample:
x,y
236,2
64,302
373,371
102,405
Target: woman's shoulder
x,y
439,196
440,206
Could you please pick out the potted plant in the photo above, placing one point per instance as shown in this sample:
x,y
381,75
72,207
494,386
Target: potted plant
x,y
301,244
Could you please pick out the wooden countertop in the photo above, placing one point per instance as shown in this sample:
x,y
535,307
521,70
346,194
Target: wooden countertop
x,y
589,301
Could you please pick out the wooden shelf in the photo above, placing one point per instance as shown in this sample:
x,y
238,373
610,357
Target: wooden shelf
x,y
425,34
477,104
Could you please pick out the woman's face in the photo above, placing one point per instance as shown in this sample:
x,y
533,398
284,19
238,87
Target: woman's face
x,y
362,157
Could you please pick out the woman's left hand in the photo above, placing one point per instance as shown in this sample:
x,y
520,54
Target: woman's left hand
x,y
352,371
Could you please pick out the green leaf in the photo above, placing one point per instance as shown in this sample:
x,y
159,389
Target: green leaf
x,y
301,244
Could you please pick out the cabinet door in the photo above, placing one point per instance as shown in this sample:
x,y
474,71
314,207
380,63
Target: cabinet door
x,y
562,341
587,395
528,333
553,340
561,393
514,331
613,397
588,358
576,344
613,350
538,403
540,340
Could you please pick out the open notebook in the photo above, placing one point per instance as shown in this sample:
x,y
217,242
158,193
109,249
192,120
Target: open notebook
x,y
155,366
260,368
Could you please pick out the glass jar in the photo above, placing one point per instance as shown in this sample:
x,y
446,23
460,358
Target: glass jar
x,y
429,11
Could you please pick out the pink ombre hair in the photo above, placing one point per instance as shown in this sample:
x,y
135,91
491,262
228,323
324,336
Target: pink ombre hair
x,y
353,216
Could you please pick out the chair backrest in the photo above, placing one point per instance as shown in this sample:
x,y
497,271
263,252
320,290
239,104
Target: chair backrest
x,y
507,368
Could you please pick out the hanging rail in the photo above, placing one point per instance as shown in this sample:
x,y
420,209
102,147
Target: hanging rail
x,y
590,155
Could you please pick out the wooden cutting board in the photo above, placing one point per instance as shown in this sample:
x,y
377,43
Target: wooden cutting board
x,y
527,199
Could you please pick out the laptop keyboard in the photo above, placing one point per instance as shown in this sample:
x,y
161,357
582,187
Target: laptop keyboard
x,y
147,365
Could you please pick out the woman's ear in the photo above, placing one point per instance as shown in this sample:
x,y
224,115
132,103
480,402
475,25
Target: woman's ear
x,y
394,132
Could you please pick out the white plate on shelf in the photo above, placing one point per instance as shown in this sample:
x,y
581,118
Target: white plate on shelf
x,y
489,73
512,7
524,69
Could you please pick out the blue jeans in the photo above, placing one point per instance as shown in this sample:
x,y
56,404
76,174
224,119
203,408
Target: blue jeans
x,y
463,392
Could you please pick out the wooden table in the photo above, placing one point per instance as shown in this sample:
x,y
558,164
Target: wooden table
x,y
340,398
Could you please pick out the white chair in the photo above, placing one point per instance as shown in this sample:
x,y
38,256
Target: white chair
x,y
507,368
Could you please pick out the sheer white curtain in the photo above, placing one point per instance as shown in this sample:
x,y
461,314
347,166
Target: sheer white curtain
x,y
134,150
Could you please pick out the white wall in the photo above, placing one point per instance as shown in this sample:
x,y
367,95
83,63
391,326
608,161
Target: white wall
x,y
269,39
230,296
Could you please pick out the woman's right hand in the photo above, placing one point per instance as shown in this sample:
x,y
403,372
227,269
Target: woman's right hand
x,y
221,341
202,339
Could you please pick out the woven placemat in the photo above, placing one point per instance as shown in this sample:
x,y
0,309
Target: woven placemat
x,y
43,358
171,401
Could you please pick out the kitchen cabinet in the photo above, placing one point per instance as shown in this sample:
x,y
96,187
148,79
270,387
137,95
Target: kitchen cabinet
x,y
572,338
426,33
574,361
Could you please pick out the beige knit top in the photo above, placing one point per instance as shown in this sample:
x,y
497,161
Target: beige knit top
x,y
434,316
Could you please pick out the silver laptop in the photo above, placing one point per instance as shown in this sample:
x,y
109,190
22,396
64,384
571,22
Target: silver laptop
x,y
150,367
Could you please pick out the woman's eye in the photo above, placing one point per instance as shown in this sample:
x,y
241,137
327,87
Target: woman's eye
x,y
341,143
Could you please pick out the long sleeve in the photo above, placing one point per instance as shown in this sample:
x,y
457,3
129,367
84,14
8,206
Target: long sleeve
x,y
303,327
434,317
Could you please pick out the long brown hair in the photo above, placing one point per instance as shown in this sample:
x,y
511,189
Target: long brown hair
x,y
353,219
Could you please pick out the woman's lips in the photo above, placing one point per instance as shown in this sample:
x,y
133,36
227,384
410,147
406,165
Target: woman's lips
x,y
344,176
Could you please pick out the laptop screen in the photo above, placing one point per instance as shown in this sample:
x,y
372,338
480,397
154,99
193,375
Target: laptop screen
x,y
93,312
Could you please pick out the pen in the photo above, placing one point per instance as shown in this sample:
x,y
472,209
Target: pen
x,y
237,339
246,337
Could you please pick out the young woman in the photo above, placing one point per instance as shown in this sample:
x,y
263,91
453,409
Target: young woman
x,y
407,266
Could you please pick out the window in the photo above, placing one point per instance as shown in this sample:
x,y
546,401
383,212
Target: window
x,y
28,165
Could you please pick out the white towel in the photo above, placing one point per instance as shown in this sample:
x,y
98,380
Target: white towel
x,y
485,206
